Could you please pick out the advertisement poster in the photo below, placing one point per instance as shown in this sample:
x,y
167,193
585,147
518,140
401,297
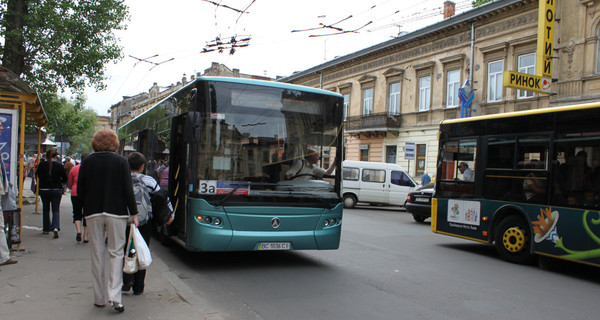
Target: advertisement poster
x,y
464,212
8,143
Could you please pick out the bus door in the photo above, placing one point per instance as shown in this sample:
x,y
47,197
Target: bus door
x,y
373,186
178,189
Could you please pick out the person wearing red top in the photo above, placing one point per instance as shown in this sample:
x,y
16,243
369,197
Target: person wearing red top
x,y
77,203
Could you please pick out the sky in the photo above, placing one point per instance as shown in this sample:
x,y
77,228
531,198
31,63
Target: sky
x,y
171,35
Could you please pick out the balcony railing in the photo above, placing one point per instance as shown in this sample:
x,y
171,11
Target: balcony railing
x,y
376,121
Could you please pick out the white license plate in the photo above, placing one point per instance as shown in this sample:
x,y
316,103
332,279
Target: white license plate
x,y
422,200
274,246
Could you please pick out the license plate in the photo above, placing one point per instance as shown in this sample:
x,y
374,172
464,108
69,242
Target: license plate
x,y
422,200
274,246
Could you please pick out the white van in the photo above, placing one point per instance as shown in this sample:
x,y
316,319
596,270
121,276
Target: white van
x,y
375,183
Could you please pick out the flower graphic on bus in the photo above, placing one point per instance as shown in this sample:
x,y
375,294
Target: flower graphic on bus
x,y
545,226
545,229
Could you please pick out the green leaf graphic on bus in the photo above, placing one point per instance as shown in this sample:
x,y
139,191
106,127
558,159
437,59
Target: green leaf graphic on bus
x,y
545,229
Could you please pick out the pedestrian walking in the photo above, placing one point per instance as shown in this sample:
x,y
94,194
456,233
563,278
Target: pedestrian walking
x,y
78,219
52,177
104,185
149,186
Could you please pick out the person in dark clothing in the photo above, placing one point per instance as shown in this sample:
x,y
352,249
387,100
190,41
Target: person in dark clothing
x,y
104,185
52,177
137,163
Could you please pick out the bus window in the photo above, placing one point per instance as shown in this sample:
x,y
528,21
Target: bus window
x,y
577,171
458,168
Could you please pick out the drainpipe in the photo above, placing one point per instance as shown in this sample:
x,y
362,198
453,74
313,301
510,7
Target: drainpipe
x,y
472,53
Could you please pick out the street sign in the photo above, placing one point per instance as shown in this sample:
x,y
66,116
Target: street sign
x,y
527,82
409,150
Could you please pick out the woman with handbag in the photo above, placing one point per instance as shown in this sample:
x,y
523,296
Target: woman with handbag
x,y
104,185
52,177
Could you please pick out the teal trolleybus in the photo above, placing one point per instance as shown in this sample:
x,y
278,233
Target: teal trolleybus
x,y
526,182
229,144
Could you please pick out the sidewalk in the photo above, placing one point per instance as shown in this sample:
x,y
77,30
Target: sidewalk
x,y
53,278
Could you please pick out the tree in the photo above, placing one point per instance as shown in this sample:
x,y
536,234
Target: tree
x,y
68,118
59,44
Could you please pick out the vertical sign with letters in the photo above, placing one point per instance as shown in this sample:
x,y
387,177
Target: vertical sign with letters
x,y
8,142
545,43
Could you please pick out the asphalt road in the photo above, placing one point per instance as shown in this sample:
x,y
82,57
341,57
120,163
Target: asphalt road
x,y
387,267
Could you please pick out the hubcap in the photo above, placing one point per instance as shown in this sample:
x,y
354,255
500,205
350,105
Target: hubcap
x,y
514,239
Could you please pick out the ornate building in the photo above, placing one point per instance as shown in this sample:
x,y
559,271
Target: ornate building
x,y
132,106
398,92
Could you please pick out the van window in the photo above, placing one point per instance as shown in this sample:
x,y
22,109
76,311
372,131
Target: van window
x,y
371,175
350,174
401,179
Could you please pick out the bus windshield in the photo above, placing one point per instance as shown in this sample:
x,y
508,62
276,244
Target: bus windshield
x,y
254,138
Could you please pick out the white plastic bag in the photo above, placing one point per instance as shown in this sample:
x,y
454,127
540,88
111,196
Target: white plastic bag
x,y
143,252
131,263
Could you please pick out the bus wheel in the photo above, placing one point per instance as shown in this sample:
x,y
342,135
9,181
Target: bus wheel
x,y
513,240
349,201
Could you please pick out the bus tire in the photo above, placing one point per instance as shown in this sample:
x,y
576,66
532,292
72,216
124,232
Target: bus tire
x,y
513,240
349,201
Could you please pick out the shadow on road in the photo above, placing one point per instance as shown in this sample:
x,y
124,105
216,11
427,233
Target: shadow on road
x,y
208,261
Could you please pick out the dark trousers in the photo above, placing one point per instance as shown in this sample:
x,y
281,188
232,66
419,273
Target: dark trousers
x,y
51,197
137,279
77,209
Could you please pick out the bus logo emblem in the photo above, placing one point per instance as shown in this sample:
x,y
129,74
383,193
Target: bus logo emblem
x,y
275,222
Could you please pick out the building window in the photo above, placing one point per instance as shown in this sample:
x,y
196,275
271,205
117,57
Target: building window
x,y
346,105
424,93
526,65
452,85
367,101
390,154
494,86
394,98
364,155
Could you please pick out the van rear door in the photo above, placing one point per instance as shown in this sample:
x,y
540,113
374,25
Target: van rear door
x,y
373,186
399,186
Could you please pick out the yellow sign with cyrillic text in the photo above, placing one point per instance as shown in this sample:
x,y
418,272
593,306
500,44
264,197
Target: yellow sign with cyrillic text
x,y
545,42
528,82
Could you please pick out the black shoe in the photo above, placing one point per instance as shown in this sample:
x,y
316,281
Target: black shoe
x,y
78,237
126,287
137,293
55,233
99,305
118,306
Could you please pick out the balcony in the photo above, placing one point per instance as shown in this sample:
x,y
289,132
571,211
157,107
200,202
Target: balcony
x,y
373,124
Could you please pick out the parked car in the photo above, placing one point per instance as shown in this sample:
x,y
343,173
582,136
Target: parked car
x,y
375,183
418,202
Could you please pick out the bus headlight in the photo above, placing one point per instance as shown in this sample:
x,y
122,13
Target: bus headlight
x,y
217,221
208,220
326,222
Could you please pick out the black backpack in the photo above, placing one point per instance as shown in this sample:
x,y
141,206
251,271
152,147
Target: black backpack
x,y
161,207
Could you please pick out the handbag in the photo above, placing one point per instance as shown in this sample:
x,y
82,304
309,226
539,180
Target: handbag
x,y
143,252
130,265
9,199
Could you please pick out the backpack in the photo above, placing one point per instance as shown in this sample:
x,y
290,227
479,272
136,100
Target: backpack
x,y
162,208
142,199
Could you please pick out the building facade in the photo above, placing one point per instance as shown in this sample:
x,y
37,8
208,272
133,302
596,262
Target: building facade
x,y
132,106
397,92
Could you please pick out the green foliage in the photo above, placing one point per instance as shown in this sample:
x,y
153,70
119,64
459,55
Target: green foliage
x,y
477,3
59,44
68,118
